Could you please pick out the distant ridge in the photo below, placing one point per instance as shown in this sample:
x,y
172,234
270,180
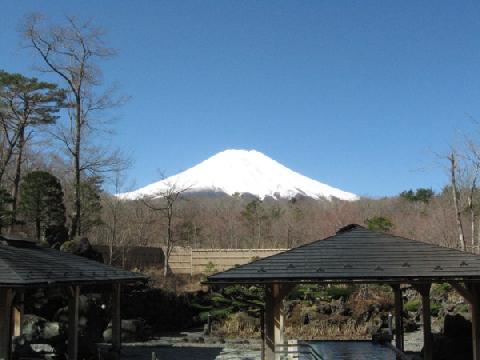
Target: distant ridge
x,y
242,172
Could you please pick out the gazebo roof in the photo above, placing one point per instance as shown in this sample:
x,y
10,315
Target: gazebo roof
x,y
24,264
356,254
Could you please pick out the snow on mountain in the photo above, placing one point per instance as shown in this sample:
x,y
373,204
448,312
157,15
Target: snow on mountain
x,y
242,171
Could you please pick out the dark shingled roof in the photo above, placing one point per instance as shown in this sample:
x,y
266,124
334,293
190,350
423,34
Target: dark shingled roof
x,y
23,263
356,254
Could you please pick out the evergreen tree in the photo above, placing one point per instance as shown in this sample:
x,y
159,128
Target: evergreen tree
x,y
25,103
421,194
90,190
379,223
5,212
41,201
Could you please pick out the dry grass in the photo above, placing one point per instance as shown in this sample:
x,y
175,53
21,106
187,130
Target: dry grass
x,y
178,283
238,325
329,329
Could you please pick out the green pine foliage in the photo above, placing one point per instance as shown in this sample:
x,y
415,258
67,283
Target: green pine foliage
x,y
41,202
229,300
5,206
420,195
36,102
379,223
90,190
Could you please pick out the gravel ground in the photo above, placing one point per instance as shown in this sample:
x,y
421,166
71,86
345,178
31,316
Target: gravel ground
x,y
187,347
189,352
414,341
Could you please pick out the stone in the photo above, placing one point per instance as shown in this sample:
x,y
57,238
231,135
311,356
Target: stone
x,y
409,325
132,330
456,326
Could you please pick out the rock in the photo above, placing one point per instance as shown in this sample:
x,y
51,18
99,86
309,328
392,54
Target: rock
x,y
409,325
42,348
36,329
50,330
456,326
382,337
447,348
132,330
324,308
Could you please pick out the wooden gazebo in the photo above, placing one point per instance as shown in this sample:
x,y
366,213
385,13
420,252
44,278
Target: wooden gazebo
x,y
24,264
357,255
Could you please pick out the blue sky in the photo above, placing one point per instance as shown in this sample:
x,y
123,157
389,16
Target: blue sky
x,y
356,94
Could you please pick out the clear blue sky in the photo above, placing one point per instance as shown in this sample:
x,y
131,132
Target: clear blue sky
x,y
356,94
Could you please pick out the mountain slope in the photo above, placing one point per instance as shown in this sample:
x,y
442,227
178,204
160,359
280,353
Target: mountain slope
x,y
242,171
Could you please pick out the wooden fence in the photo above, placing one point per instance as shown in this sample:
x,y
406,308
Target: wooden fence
x,y
185,260
198,261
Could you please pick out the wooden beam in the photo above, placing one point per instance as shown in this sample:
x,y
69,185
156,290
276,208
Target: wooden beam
x,y
73,305
6,301
424,291
462,290
399,338
116,319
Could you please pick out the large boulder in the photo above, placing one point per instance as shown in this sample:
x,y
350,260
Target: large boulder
x,y
36,329
447,348
456,341
132,330
456,326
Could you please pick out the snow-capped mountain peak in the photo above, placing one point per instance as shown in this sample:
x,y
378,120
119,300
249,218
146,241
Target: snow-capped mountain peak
x,y
242,171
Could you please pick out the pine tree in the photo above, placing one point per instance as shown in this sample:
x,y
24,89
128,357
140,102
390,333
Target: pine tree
x,y
379,223
25,103
5,212
41,201
91,211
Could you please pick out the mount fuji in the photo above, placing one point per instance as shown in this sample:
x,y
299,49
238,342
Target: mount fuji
x,y
242,172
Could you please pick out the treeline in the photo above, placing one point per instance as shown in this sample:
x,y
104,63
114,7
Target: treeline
x,y
237,222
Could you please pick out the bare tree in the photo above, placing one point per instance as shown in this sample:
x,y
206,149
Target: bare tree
x,y
167,205
71,51
453,159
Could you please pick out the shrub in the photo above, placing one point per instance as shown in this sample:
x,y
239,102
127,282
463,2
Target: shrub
x,y
336,292
435,308
306,292
210,268
412,305
463,308
441,289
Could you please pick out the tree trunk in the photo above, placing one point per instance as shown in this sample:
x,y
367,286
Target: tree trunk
x,y
76,219
169,240
38,228
17,178
458,214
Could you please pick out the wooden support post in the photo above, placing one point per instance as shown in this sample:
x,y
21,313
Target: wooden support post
x,y
116,319
73,305
474,290
6,300
18,313
399,338
424,291
274,319
262,332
